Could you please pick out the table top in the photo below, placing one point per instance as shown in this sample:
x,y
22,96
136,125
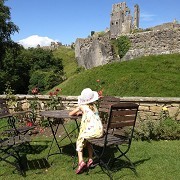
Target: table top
x,y
57,114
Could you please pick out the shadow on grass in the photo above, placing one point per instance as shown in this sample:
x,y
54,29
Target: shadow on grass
x,y
32,149
34,164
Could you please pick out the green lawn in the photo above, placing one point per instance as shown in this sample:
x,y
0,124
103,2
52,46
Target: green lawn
x,y
153,160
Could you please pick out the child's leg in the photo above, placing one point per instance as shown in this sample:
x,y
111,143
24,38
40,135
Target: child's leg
x,y
80,156
90,151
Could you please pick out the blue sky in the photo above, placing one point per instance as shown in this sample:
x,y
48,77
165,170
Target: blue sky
x,y
42,21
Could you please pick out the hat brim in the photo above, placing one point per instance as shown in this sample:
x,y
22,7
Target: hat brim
x,y
81,101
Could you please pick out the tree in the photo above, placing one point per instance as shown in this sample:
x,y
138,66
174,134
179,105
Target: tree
x,y
7,28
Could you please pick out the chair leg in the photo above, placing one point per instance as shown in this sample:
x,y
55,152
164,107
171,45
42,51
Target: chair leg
x,y
18,164
124,154
104,166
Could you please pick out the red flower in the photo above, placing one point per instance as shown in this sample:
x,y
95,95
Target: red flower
x,y
57,89
55,93
34,91
51,93
100,93
29,124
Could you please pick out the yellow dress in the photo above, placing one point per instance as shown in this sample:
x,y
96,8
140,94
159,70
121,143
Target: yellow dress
x,y
91,126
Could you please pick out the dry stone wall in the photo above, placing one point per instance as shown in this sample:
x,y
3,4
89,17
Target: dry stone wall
x,y
150,108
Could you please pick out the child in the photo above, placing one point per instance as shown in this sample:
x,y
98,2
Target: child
x,y
91,125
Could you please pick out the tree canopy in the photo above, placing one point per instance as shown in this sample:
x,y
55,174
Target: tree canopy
x,y
7,28
23,69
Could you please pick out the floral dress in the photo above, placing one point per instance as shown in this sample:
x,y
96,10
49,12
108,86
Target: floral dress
x,y
91,126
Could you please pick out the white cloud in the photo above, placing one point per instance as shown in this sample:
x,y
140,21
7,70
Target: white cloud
x,y
34,40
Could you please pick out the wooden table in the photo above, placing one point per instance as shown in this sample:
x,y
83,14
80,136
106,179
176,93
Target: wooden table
x,y
59,116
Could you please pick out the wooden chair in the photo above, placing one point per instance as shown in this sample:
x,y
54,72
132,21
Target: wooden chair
x,y
122,120
104,106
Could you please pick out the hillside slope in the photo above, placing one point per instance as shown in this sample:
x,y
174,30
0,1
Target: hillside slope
x,y
153,76
68,59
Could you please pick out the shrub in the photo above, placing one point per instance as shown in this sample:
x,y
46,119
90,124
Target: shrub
x,y
123,44
166,128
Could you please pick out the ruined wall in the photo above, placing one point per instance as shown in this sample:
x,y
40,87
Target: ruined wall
x,y
93,51
121,20
159,41
96,51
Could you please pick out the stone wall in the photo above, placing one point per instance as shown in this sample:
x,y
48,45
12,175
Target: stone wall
x,y
96,51
93,51
150,108
158,41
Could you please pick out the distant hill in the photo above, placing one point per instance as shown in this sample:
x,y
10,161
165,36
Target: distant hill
x,y
152,76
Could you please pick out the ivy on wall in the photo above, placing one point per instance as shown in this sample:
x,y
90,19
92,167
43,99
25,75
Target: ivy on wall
x,y
121,45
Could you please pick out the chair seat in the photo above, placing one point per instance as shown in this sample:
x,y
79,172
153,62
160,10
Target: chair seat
x,y
111,140
14,140
20,129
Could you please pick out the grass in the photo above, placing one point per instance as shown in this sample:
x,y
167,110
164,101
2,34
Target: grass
x,y
68,59
152,76
154,160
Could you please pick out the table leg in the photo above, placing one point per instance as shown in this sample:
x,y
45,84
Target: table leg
x,y
54,137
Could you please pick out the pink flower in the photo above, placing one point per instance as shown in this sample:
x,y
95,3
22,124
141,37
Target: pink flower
x,y
97,80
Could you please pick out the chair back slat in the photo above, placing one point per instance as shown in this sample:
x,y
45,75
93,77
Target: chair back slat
x,y
121,124
124,112
106,102
122,119
122,115
104,106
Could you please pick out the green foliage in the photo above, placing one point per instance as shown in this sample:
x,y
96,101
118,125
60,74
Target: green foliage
x,y
114,46
123,45
10,97
33,67
80,69
55,102
167,128
44,80
153,76
7,28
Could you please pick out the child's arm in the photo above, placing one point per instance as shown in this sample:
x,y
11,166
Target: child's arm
x,y
76,111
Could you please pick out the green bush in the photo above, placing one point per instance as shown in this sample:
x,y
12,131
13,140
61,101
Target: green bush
x,y
164,129
123,44
168,129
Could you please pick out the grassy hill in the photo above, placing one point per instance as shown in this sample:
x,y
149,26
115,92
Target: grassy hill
x,y
153,76
69,62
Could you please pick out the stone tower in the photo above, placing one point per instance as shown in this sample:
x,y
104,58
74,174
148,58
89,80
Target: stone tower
x,y
136,16
121,19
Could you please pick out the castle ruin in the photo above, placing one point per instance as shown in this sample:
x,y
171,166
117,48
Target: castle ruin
x,y
97,49
122,21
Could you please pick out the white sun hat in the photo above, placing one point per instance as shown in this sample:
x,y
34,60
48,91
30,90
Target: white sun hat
x,y
87,96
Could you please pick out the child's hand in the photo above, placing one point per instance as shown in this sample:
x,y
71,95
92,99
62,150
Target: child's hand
x,y
79,113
